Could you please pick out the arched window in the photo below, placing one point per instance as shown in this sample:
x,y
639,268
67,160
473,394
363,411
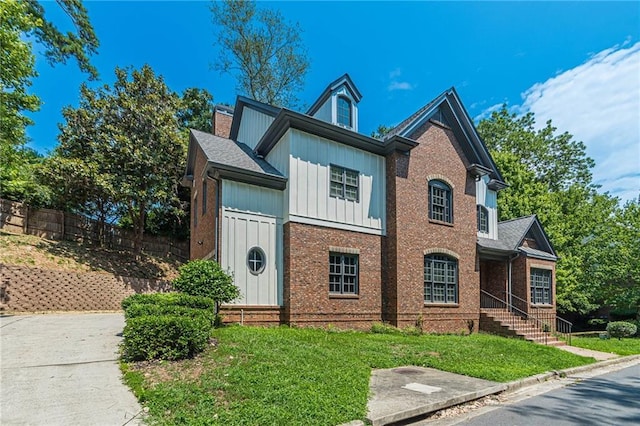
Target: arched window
x,y
344,111
440,279
483,219
440,201
256,260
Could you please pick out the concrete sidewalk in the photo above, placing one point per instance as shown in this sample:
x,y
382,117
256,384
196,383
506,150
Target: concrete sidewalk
x,y
62,369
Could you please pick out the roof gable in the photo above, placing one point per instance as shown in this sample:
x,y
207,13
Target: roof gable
x,y
243,102
344,80
448,109
511,235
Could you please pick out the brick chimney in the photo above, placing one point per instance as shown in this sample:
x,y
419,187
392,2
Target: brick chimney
x,y
221,120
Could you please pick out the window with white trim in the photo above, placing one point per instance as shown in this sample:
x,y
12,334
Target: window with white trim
x,y
440,201
344,183
440,279
483,219
541,286
344,112
343,273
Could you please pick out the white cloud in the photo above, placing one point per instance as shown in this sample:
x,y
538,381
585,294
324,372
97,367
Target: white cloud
x,y
598,102
396,84
486,113
395,73
400,85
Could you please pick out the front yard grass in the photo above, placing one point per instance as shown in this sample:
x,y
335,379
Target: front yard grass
x,y
274,376
626,346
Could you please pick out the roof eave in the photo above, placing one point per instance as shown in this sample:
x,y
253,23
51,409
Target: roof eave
x,y
287,119
248,176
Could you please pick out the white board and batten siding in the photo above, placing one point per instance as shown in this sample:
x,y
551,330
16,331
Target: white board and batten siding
x,y
252,217
308,187
253,126
489,199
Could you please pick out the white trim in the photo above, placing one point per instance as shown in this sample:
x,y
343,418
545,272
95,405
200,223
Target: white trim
x,y
337,225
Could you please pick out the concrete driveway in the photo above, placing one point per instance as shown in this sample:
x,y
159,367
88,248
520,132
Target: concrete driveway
x,y
62,369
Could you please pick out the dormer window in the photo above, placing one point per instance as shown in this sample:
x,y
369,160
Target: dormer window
x,y
344,112
483,219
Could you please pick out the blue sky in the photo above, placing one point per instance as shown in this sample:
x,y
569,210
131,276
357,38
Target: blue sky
x,y
577,63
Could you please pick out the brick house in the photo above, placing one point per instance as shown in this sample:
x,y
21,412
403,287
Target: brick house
x,y
320,224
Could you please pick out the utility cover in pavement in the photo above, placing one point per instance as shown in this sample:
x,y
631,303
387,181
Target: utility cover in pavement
x,y
419,387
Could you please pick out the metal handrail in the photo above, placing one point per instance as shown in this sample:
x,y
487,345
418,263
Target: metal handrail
x,y
543,324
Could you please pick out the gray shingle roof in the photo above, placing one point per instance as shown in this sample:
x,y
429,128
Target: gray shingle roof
x,y
538,253
513,231
510,236
226,152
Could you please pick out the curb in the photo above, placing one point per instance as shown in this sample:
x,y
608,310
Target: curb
x,y
539,378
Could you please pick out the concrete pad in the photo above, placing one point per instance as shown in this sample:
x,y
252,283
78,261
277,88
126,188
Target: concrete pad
x,y
405,392
597,355
62,369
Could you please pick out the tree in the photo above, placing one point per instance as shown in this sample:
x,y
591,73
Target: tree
x,y
206,278
617,265
381,131
550,175
261,50
21,20
196,109
128,136
59,46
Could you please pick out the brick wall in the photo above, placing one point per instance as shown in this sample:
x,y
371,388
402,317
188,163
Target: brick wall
x,y
24,289
306,277
411,232
221,123
494,277
202,225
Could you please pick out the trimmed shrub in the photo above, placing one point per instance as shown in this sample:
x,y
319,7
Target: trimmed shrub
x,y
169,337
206,278
169,299
621,329
141,309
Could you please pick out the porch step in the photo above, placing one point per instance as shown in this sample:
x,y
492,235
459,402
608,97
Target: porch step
x,y
515,326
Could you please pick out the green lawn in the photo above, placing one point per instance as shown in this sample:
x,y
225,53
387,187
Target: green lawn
x,y
628,346
264,376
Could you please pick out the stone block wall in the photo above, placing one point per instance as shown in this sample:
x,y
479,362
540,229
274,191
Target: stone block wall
x,y
24,289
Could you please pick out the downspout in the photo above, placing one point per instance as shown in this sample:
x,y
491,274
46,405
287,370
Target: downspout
x,y
509,289
217,222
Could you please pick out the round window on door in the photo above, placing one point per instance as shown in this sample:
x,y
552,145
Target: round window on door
x,y
256,260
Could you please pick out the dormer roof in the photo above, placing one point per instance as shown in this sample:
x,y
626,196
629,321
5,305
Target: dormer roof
x,y
455,116
345,81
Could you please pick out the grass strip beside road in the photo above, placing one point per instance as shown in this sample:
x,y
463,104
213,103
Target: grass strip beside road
x,y
256,376
626,346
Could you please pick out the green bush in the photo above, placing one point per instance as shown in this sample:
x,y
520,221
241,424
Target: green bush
x,y
169,299
169,337
597,322
206,278
621,329
141,309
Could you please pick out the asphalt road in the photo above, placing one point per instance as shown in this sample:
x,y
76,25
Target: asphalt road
x,y
610,399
